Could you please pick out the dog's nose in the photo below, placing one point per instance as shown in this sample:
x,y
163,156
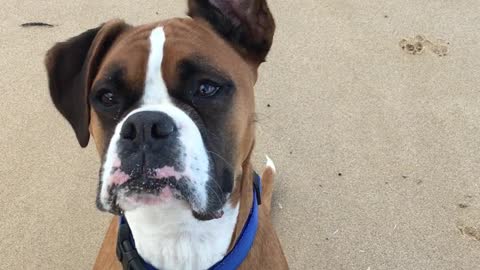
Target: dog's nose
x,y
145,127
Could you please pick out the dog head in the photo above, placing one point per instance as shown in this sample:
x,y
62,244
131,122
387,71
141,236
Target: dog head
x,y
170,105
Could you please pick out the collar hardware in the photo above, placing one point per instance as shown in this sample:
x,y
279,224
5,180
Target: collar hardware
x,y
126,252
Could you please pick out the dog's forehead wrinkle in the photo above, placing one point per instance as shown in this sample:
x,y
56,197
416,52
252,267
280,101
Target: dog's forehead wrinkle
x,y
196,64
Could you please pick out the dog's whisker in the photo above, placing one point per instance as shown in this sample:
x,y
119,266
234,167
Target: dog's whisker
x,y
222,158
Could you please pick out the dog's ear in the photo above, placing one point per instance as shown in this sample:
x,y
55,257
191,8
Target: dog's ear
x,y
72,66
247,24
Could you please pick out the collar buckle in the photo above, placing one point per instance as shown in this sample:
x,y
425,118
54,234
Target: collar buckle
x,y
126,253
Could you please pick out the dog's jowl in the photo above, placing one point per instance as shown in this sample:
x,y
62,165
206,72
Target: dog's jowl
x,y
170,107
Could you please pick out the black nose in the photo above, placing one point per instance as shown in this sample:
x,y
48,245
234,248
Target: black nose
x,y
147,126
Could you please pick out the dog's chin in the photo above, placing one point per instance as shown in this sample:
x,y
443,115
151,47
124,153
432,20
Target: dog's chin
x,y
136,200
122,199
208,215
120,203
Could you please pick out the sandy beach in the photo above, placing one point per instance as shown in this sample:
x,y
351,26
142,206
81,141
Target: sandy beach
x,y
369,109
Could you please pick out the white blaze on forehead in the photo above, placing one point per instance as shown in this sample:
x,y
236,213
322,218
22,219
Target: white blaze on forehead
x,y
155,89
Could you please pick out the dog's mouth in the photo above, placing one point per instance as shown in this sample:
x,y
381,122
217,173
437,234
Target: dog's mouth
x,y
144,191
154,187
147,191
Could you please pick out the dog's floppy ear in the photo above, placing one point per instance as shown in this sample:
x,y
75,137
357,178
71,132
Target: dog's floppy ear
x,y
71,67
247,24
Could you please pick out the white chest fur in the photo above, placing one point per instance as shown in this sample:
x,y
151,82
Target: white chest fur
x,y
169,237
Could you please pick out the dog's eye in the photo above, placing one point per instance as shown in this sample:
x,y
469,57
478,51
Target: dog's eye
x,y
208,89
107,98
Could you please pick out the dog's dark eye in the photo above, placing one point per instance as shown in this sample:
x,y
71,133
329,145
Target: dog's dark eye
x,y
107,98
208,89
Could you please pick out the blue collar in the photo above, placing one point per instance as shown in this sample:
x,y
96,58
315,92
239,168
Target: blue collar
x,y
131,260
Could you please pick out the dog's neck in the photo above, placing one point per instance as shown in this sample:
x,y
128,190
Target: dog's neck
x,y
169,237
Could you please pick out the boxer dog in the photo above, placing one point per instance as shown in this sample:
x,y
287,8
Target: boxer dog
x,y
170,106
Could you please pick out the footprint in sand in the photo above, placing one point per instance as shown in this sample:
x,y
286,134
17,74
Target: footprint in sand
x,y
419,44
469,231
468,224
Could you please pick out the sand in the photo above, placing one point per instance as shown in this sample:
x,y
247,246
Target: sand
x,y
377,148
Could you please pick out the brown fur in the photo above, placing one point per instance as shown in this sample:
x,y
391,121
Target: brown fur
x,y
266,252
